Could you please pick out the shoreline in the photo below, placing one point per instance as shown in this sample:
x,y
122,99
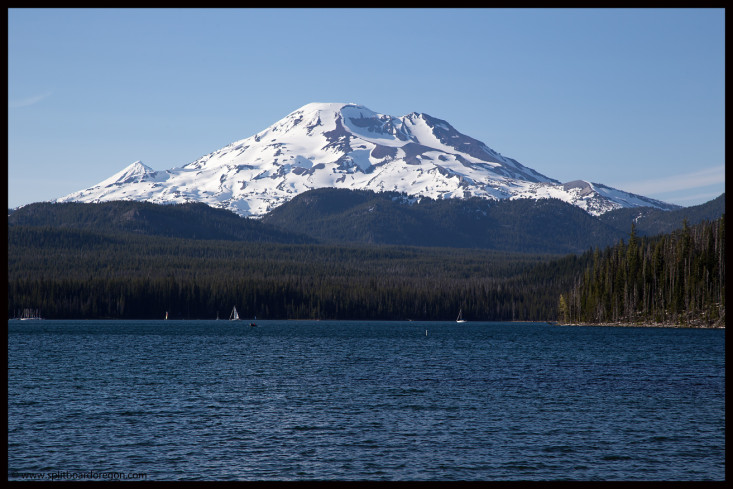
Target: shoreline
x,y
646,325
549,323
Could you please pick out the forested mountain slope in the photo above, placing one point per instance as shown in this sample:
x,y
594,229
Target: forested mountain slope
x,y
191,220
649,221
533,226
366,217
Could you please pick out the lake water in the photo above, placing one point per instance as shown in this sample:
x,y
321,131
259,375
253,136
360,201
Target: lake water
x,y
302,400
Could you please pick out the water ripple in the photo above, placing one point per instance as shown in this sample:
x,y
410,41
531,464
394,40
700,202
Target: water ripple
x,y
365,401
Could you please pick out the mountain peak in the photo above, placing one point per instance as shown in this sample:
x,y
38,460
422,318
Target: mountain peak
x,y
132,173
314,108
325,106
139,166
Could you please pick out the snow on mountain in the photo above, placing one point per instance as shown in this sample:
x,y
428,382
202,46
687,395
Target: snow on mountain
x,y
350,146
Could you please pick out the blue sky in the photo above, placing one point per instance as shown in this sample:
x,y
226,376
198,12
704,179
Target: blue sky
x,y
631,98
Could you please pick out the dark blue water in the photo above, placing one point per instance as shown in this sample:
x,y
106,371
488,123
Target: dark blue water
x,y
294,400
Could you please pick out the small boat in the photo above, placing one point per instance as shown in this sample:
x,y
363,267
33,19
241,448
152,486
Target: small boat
x,y
252,324
460,319
234,316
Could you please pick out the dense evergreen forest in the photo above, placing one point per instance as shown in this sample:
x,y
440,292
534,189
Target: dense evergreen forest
x,y
70,273
133,260
676,278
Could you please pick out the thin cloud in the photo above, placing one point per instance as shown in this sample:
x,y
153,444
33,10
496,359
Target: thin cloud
x,y
701,178
28,101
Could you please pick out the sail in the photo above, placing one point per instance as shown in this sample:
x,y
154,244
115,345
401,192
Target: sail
x,y
460,319
234,315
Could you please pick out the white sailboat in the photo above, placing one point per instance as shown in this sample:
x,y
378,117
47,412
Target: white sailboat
x,y
460,319
234,316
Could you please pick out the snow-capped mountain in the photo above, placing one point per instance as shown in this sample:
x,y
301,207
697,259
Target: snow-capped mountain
x,y
349,146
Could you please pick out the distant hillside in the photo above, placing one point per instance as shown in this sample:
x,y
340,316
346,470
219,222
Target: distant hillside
x,y
331,215
191,220
652,222
536,226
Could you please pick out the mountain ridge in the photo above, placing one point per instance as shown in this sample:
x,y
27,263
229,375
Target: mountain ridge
x,y
363,217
